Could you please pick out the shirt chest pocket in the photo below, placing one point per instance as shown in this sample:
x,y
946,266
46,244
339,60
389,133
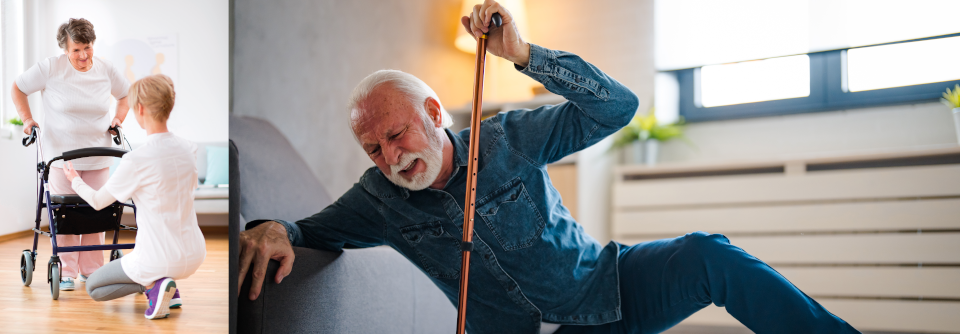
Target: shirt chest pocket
x,y
438,251
512,216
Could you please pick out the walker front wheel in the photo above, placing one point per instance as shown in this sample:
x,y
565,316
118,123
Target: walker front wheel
x,y
26,267
54,274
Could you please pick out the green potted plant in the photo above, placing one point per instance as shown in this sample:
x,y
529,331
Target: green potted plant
x,y
17,126
640,140
952,100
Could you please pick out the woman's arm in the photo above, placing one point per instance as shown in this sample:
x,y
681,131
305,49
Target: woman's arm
x,y
122,109
23,109
34,79
98,199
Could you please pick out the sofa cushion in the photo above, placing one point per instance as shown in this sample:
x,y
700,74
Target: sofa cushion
x,y
374,290
277,183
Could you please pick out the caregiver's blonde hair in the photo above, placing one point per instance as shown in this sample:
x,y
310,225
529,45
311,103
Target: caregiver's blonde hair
x,y
155,93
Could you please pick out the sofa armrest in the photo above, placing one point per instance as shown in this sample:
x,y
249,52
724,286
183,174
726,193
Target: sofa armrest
x,y
372,290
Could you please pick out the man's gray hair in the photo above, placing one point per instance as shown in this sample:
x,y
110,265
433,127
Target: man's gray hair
x,y
415,89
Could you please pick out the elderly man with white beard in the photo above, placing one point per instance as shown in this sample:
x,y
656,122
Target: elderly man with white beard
x,y
534,268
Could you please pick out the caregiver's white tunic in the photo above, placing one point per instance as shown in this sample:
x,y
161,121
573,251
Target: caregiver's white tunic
x,y
161,176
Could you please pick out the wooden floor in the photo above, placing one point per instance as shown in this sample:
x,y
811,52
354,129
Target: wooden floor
x,y
31,309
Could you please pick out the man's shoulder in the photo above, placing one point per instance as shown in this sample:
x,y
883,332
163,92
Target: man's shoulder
x,y
374,183
515,122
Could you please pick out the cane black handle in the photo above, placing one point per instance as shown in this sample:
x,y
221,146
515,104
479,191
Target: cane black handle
x,y
496,21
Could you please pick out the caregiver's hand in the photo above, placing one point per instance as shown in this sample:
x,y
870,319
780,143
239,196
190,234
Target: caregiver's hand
x,y
28,124
115,123
69,171
259,245
504,42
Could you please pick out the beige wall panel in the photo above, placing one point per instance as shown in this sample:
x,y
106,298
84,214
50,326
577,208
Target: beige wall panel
x,y
845,184
859,216
937,282
862,248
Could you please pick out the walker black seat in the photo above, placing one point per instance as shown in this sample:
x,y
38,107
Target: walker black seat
x,y
66,199
84,219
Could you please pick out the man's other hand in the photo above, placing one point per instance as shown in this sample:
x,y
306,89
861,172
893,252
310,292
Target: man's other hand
x,y
259,245
504,42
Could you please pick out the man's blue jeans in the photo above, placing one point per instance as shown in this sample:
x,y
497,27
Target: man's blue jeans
x,y
663,282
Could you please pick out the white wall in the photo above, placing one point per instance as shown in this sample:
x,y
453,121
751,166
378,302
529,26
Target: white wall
x,y
18,180
201,110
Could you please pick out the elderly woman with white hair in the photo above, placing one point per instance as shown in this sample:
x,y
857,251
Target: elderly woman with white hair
x,y
76,105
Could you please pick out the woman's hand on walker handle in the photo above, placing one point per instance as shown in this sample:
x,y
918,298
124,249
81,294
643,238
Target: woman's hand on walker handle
x,y
259,245
504,42
69,171
28,125
116,122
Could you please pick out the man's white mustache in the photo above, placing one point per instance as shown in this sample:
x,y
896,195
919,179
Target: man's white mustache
x,y
406,163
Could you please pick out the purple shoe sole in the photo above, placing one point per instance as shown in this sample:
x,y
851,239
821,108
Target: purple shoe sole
x,y
158,299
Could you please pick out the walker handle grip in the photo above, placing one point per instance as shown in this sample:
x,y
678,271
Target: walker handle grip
x,y
28,140
116,134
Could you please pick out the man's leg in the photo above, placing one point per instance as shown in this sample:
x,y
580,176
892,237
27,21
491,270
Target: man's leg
x,y
665,281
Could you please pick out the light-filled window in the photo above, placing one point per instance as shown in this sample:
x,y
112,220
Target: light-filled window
x,y
693,33
903,64
752,58
755,81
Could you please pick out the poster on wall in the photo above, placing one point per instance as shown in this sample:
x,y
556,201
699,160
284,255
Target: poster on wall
x,y
140,57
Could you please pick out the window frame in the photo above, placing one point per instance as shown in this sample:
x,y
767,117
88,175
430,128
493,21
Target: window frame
x,y
827,93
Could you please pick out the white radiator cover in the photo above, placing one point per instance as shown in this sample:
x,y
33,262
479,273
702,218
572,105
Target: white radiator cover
x,y
878,247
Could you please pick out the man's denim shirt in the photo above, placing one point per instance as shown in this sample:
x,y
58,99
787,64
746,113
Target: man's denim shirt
x,y
531,261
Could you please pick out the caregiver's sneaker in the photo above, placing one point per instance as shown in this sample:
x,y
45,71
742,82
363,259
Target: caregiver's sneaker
x,y
67,284
158,298
175,302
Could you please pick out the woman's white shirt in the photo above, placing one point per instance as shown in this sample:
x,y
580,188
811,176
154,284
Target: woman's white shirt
x,y
161,176
76,106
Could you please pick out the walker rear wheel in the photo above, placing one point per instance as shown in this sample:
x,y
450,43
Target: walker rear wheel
x,y
116,254
54,274
26,267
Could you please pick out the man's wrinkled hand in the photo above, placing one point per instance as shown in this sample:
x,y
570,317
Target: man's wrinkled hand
x,y
504,42
259,245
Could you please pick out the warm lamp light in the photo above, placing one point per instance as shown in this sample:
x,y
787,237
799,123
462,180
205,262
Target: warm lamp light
x,y
517,8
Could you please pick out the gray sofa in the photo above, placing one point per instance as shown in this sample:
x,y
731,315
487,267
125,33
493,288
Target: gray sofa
x,y
355,291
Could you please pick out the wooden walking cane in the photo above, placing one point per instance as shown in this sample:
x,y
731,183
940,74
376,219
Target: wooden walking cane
x,y
469,204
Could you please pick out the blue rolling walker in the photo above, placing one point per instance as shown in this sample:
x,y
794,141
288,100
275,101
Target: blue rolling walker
x,y
70,214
